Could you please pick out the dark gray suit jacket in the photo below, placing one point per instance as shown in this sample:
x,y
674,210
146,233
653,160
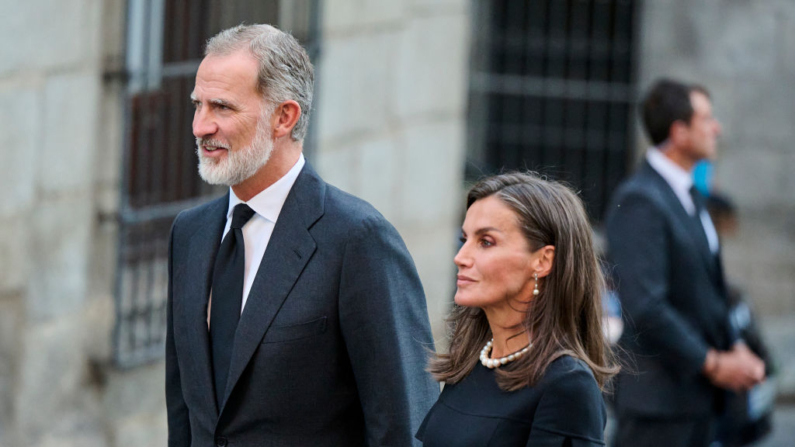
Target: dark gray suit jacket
x,y
332,344
673,296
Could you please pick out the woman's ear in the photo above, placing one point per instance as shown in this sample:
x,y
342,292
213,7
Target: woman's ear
x,y
543,264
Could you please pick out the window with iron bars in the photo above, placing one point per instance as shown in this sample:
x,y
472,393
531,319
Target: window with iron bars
x,y
164,46
552,89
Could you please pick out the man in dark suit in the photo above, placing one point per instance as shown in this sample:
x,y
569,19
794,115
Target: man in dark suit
x,y
295,313
682,353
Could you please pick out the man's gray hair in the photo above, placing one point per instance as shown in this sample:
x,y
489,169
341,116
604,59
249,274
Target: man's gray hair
x,y
285,71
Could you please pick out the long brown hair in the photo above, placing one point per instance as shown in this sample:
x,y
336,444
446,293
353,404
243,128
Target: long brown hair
x,y
565,318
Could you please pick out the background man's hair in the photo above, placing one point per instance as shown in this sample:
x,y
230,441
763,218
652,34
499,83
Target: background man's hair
x,y
666,102
285,71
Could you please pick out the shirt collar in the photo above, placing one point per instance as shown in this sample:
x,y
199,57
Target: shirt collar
x,y
269,202
675,175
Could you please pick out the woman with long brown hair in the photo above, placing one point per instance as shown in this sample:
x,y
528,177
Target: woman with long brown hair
x,y
527,358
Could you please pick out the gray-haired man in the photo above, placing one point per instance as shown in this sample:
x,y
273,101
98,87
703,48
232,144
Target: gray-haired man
x,y
295,313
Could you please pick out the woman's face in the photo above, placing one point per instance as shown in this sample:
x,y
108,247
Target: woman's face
x,y
495,264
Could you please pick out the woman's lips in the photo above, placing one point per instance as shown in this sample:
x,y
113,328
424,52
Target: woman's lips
x,y
464,280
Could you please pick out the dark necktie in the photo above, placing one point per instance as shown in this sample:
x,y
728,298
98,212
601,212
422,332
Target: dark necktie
x,y
700,203
227,294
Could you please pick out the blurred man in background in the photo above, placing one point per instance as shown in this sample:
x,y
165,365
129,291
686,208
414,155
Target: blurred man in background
x,y
682,352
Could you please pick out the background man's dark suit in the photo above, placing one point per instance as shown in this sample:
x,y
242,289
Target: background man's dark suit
x,y
331,346
672,290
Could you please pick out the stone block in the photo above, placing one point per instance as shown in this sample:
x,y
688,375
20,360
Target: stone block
x,y
431,173
431,67
727,39
11,320
132,393
761,259
110,136
47,34
754,176
433,249
52,397
352,16
60,241
339,167
737,38
353,85
71,116
378,159
14,252
20,121
439,6
150,430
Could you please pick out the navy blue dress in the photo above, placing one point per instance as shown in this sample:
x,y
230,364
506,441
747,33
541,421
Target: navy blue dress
x,y
564,409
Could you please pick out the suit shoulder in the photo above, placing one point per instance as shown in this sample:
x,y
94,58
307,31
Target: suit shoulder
x,y
188,216
353,212
637,189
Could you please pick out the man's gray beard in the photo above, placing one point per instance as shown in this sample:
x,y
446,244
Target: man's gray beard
x,y
239,165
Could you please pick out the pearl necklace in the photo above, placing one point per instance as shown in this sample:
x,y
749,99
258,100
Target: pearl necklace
x,y
496,363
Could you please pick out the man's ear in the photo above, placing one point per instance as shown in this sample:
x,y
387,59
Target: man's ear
x,y
679,133
284,118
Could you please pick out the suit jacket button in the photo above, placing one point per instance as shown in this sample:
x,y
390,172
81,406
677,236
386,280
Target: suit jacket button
x,y
221,441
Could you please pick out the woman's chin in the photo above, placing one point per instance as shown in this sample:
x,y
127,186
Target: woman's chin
x,y
462,299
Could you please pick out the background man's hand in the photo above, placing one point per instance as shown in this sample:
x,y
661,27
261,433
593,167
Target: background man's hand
x,y
737,370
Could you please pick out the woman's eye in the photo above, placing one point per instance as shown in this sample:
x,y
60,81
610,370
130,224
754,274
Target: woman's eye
x,y
486,243
463,240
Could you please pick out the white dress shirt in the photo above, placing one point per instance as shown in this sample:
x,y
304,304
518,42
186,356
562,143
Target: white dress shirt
x,y
681,181
267,206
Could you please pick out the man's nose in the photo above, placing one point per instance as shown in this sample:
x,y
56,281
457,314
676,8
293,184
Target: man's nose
x,y
203,124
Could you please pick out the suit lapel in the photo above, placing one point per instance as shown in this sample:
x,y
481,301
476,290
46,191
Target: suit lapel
x,y
289,249
204,245
695,228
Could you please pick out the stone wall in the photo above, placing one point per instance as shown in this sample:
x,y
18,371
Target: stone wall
x,y
741,51
390,114
60,176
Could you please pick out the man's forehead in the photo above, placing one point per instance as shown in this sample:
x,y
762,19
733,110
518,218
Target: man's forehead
x,y
233,72
700,99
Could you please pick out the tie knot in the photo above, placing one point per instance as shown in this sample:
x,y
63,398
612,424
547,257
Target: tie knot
x,y
241,214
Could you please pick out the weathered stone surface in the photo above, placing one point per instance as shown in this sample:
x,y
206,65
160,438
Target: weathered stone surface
x,y
48,34
60,241
433,248
352,16
71,115
124,398
10,341
20,121
354,85
433,166
52,397
149,429
431,66
14,253
340,168
754,176
379,175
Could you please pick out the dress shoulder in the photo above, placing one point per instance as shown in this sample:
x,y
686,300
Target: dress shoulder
x,y
571,407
